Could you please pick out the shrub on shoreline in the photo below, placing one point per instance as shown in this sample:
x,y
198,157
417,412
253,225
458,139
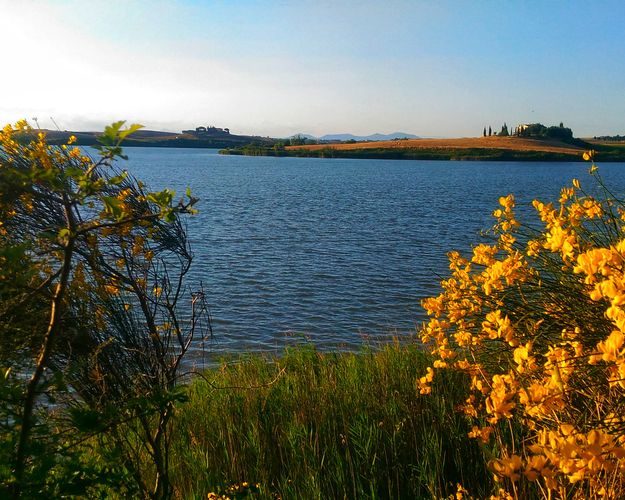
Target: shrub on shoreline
x,y
537,320
92,269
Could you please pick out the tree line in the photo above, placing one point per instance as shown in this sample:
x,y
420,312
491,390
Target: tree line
x,y
533,130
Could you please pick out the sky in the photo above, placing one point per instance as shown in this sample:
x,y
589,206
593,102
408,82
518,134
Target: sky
x,y
276,68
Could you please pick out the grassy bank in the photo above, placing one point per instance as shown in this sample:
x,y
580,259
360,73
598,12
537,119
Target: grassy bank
x,y
326,425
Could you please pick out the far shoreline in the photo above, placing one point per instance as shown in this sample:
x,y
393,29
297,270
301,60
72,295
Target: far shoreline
x,y
460,149
487,148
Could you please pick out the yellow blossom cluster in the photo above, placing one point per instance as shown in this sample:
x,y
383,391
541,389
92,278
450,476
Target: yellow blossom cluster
x,y
536,318
236,490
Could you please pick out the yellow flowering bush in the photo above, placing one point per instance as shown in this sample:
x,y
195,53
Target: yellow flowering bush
x,y
536,319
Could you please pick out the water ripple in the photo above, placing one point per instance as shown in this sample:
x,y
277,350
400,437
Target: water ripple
x,y
332,251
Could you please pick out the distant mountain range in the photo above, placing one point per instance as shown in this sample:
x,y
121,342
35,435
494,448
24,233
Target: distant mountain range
x,y
351,137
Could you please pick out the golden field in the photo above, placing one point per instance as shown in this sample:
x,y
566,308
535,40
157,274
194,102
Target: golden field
x,y
492,142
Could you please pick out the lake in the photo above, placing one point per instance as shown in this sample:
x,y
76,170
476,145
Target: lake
x,y
335,251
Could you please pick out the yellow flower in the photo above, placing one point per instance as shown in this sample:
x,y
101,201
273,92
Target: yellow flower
x,y
563,240
507,202
533,248
484,254
508,467
460,492
565,194
611,348
546,212
433,305
592,208
137,245
482,433
522,357
498,326
535,467
21,125
500,400
424,382
595,261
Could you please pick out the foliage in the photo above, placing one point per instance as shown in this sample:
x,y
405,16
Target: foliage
x,y
297,140
537,320
92,269
309,424
539,130
616,138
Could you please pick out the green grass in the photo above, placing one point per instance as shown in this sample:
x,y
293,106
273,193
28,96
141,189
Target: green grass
x,y
326,425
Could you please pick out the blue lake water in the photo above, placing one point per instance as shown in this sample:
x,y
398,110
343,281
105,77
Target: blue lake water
x,y
331,250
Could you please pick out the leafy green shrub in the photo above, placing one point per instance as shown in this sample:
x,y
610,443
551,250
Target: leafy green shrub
x,y
92,267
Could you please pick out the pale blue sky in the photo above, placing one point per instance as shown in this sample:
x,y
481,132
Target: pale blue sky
x,y
443,68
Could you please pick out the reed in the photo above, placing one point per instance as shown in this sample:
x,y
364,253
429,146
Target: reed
x,y
310,424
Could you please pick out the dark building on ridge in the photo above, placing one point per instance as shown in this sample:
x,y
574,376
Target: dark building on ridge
x,y
208,132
